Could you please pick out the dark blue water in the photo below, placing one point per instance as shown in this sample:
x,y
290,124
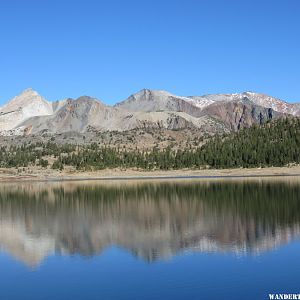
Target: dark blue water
x,y
191,240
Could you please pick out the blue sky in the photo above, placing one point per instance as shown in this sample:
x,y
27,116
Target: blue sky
x,y
111,49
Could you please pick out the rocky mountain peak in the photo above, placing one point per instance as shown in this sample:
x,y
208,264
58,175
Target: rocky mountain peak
x,y
26,98
24,106
89,99
29,91
150,95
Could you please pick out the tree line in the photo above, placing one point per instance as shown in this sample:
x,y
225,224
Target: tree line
x,y
275,143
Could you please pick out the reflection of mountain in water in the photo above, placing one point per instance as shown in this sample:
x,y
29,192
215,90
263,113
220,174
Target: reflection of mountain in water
x,y
151,220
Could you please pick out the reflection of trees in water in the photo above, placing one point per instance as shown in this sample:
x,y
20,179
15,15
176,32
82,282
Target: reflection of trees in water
x,y
153,220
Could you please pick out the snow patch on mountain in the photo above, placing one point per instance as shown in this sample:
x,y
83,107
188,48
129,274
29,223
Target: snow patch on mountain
x,y
256,98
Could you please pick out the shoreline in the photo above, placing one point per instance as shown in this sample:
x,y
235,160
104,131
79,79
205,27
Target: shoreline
x,y
35,174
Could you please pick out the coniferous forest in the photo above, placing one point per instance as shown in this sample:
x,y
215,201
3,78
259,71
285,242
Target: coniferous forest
x,y
275,143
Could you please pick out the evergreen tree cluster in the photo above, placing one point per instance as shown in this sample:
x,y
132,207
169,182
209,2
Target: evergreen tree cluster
x,y
275,143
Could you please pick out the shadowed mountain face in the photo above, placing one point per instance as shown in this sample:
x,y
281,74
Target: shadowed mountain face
x,y
151,220
240,114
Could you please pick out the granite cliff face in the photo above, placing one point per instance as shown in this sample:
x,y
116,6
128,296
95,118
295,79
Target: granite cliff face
x,y
30,113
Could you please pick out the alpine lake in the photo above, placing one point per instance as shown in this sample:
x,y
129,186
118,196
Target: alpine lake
x,y
150,239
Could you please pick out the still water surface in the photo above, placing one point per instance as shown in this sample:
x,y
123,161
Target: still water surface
x,y
149,240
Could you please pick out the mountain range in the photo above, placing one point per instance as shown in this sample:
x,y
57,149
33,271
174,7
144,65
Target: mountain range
x,y
30,113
